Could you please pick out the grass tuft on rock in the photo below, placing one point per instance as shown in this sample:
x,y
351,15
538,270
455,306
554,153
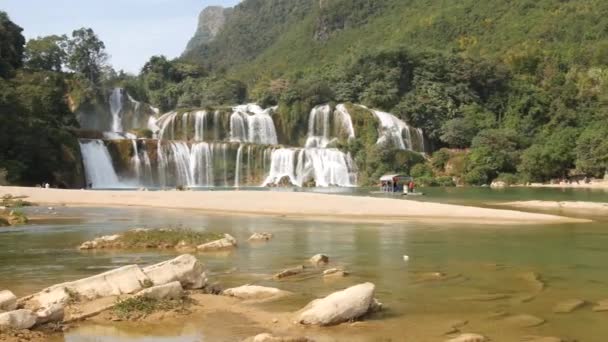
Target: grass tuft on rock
x,y
154,238
10,201
141,306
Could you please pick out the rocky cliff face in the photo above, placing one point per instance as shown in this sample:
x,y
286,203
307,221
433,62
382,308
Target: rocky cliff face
x,y
210,22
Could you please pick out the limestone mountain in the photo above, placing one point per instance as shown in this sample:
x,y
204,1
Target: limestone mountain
x,y
210,22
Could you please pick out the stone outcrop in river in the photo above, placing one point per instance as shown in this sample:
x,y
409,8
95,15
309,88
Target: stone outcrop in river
x,y
341,306
162,280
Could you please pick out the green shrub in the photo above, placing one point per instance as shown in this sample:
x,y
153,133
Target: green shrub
x,y
421,170
508,178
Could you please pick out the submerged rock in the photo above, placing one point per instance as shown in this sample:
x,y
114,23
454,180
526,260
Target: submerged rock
x,y
172,290
255,292
8,301
469,338
18,319
541,339
319,259
485,297
524,321
341,306
601,306
568,306
335,272
534,279
228,242
185,268
289,272
260,237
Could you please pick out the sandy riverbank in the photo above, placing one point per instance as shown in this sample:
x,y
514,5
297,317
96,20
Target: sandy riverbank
x,y
599,208
286,204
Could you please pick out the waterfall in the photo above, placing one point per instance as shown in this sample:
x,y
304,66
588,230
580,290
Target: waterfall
x,y
324,166
252,124
141,164
98,165
325,127
395,132
237,171
199,125
116,109
201,165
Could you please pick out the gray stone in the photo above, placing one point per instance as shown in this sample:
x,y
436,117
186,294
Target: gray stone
x,y
227,242
186,269
249,292
271,338
289,272
260,237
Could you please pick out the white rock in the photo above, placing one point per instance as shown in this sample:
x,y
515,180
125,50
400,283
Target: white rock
x,y
18,319
186,269
228,242
340,306
469,338
260,237
498,185
254,292
172,290
319,259
8,301
406,258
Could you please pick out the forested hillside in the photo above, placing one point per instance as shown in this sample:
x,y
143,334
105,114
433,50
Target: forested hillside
x,y
515,89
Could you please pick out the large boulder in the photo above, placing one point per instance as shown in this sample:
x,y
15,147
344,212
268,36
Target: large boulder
x,y
341,306
228,242
249,292
8,301
185,268
18,319
172,290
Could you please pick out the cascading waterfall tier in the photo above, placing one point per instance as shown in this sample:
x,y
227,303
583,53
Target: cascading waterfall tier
x,y
98,166
320,167
244,124
233,148
326,127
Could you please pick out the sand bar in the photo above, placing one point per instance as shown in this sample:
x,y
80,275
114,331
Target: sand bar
x,y
287,204
581,206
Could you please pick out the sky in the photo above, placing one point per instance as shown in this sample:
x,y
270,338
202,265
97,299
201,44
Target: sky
x,y
132,30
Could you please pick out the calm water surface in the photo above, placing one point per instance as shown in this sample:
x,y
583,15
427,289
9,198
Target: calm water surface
x,y
474,260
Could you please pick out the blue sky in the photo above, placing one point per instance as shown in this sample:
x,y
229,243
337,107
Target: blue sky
x,y
133,30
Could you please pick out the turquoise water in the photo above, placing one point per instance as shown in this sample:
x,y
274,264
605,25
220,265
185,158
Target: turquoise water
x,y
570,259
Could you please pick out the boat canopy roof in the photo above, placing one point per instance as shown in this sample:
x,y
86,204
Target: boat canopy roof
x,y
389,178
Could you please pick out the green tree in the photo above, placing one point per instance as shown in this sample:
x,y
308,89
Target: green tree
x,y
592,150
11,45
46,53
86,54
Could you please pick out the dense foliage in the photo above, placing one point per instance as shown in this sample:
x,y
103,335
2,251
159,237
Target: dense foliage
x,y
513,90
37,125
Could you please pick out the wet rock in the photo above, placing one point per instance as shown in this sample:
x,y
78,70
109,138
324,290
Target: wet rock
x,y
335,272
260,237
523,298
601,306
8,301
289,272
436,276
228,242
271,338
524,321
319,259
339,307
469,338
568,306
18,319
172,290
255,292
185,268
485,297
